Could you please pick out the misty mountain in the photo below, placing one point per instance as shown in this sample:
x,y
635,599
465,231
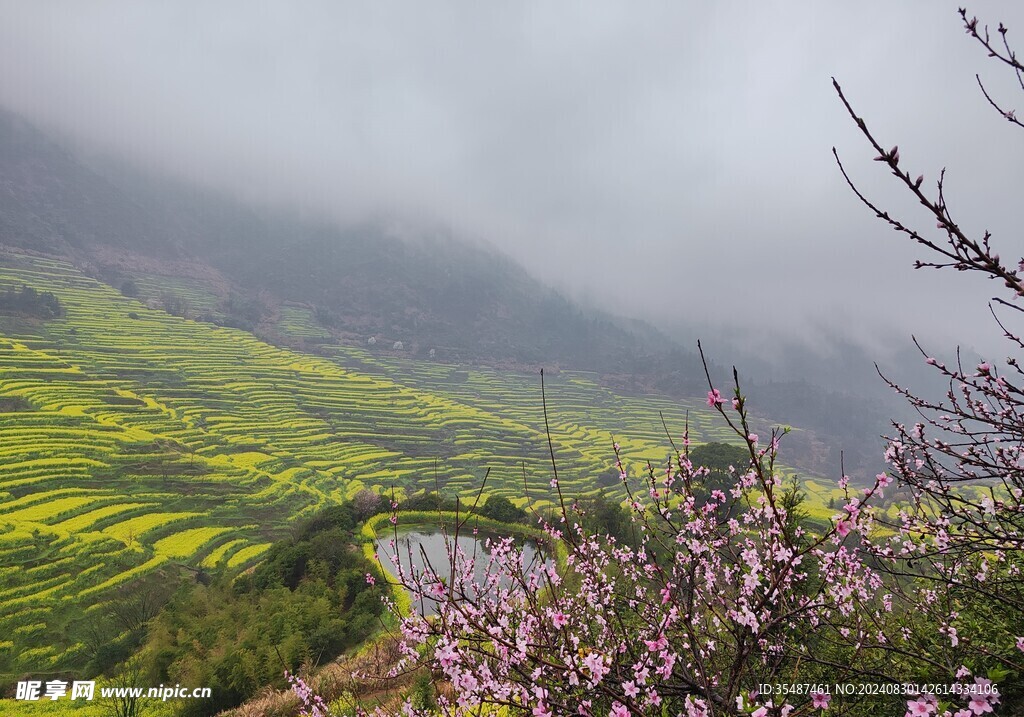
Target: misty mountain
x,y
425,288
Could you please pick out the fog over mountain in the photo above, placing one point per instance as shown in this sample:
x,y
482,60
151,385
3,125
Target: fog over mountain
x,y
670,162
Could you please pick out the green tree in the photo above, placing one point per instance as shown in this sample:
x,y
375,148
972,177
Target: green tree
x,y
720,459
500,508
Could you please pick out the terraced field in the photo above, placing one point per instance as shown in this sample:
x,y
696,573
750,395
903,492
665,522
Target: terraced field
x,y
300,323
136,440
194,296
583,415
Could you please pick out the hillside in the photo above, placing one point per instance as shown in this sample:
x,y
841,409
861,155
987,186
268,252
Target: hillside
x,y
303,284
134,440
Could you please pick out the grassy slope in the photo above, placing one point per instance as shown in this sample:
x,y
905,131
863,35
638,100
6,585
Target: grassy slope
x,y
158,440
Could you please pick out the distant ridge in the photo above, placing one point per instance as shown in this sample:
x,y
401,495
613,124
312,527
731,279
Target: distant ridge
x,y
465,301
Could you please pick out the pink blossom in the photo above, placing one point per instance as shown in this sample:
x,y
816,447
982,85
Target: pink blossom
x,y
980,704
921,707
983,696
619,710
696,707
561,629
820,700
654,645
596,665
446,655
715,398
950,632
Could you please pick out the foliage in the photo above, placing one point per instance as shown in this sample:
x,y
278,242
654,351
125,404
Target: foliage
x,y
430,501
122,624
721,461
601,515
174,304
242,312
30,302
500,508
304,605
129,288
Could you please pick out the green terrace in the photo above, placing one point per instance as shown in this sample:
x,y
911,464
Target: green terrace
x,y
132,440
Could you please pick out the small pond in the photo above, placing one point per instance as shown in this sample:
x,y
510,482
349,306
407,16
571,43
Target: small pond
x,y
429,541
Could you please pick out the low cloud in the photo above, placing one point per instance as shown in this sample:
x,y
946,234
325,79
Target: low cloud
x,y
670,161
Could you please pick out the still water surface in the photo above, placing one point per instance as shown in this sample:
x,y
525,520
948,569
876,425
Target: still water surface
x,y
418,542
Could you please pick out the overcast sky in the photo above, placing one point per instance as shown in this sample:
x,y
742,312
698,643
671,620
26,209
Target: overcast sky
x,y
667,160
